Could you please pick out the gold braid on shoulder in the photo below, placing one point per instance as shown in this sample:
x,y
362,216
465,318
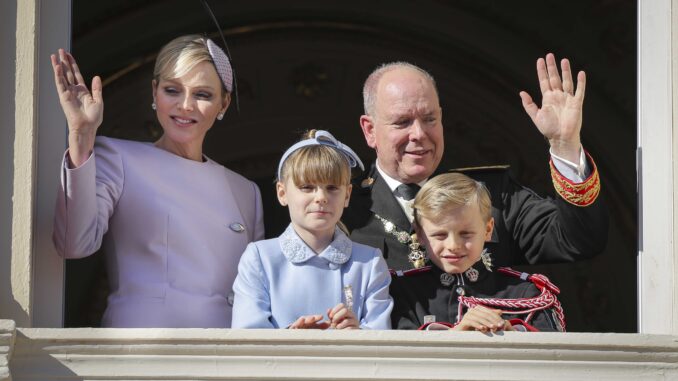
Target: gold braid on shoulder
x,y
579,194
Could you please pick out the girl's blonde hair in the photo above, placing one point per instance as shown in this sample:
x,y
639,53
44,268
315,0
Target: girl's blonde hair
x,y
449,191
316,164
180,56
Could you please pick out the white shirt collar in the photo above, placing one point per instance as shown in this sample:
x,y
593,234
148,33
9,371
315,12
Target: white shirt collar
x,y
391,182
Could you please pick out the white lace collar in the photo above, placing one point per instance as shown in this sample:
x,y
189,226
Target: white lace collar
x,y
297,251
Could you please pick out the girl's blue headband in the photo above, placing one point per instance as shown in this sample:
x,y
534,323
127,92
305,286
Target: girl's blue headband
x,y
323,138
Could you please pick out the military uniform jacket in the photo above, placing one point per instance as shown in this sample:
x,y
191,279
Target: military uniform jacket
x,y
423,294
528,228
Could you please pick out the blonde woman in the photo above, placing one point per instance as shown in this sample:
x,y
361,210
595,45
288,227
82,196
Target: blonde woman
x,y
173,223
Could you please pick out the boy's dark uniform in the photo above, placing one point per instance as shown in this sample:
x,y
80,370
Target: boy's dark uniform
x,y
421,293
528,228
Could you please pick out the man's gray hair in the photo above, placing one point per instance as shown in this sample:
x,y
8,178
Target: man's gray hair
x,y
372,81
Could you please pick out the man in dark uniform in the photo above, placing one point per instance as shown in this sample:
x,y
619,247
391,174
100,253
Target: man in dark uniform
x,y
403,123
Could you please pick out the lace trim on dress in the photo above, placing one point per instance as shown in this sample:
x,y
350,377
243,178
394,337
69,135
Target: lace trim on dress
x,y
297,251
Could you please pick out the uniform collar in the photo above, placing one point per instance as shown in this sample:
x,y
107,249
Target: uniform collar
x,y
297,251
482,273
479,266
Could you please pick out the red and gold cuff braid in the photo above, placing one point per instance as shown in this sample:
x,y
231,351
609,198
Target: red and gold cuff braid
x,y
520,306
580,194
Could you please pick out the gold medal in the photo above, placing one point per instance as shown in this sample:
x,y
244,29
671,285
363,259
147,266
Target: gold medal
x,y
367,182
419,263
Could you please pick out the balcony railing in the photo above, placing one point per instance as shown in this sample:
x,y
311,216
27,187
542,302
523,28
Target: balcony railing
x,y
206,354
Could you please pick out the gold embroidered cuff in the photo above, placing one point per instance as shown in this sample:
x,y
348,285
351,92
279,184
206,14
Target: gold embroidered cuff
x,y
580,194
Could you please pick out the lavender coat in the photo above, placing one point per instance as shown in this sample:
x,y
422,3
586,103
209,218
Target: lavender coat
x,y
170,228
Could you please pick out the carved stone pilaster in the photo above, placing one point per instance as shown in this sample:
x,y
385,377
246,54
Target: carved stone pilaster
x,y
7,338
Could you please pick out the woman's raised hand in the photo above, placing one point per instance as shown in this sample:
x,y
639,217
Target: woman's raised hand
x,y
84,110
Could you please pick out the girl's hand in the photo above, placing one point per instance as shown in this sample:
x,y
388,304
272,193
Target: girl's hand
x,y
482,319
310,322
84,110
342,318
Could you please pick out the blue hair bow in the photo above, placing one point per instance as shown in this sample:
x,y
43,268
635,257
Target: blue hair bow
x,y
323,137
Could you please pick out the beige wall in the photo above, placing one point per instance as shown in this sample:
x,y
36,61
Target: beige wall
x,y
7,74
23,179
657,274
33,141
674,71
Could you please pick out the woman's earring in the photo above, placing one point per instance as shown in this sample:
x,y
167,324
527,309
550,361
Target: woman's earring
x,y
486,257
154,106
220,116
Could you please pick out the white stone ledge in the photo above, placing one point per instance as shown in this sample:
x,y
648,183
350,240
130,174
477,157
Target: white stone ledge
x,y
207,354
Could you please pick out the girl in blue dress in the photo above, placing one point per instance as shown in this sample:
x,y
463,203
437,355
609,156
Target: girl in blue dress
x,y
313,275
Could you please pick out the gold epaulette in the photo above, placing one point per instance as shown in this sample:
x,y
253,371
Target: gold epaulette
x,y
579,194
481,168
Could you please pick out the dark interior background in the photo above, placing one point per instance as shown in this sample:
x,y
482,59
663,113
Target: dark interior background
x,y
301,64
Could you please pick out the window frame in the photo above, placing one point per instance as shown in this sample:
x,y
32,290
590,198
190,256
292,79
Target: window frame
x,y
657,265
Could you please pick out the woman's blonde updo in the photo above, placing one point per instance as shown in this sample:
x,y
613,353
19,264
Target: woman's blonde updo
x,y
180,56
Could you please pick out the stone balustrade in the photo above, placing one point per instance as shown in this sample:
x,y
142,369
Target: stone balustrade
x,y
206,354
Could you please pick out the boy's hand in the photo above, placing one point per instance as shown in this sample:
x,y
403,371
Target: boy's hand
x,y
483,319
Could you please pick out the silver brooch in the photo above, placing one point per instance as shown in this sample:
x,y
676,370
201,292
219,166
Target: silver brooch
x,y
348,297
486,257
446,279
472,274
237,227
